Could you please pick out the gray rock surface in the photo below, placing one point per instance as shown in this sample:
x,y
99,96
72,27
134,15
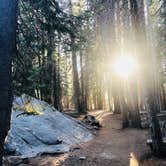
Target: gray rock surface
x,y
37,128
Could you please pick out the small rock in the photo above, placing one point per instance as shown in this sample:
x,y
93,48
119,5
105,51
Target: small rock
x,y
82,158
15,160
92,121
76,148
96,128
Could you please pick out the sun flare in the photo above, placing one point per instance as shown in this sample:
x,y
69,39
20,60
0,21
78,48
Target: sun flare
x,y
124,66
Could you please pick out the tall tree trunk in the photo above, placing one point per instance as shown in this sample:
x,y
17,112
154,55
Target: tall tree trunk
x,y
76,84
148,79
86,83
162,97
134,107
123,105
84,98
57,86
8,25
111,37
115,81
116,98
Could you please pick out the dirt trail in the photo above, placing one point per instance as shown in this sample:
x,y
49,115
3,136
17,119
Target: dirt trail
x,y
111,146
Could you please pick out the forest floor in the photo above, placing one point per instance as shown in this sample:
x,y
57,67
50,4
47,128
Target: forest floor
x,y
111,146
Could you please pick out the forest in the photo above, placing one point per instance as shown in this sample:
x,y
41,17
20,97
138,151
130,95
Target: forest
x,y
82,82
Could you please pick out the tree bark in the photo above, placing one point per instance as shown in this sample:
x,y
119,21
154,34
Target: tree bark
x,y
76,84
83,94
8,25
148,76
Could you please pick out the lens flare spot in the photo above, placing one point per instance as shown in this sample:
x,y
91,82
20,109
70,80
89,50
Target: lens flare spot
x,y
125,66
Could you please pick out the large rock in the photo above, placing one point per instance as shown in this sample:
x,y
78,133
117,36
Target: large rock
x,y
38,128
